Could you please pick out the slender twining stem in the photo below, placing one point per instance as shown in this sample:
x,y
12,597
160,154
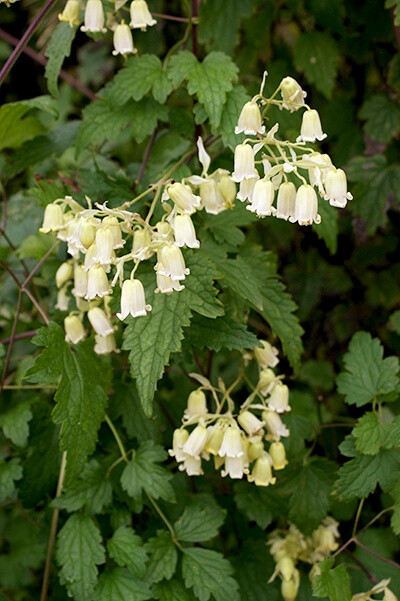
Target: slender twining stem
x,y
166,522
24,40
10,346
117,438
53,530
146,155
171,17
195,12
29,387
20,336
358,515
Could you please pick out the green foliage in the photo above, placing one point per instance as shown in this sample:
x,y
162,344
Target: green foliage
x,y
382,118
359,476
163,557
15,423
10,471
317,55
58,49
91,491
208,573
198,524
119,584
126,548
332,582
141,74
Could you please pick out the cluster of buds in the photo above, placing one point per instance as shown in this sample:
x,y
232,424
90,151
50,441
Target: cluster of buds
x,y
237,442
95,20
284,163
290,546
381,587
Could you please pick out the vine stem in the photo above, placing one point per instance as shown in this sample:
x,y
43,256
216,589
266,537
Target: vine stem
x,y
166,522
53,531
117,438
24,40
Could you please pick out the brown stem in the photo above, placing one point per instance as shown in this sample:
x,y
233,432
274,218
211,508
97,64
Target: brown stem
x,y
195,14
396,31
12,337
146,156
75,83
24,40
170,17
371,577
19,336
374,554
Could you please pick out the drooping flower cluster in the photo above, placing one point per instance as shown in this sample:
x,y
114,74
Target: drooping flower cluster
x,y
244,444
285,164
290,546
95,21
379,588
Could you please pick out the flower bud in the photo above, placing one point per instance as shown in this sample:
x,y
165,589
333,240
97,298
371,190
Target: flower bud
x,y
70,14
173,263
196,404
74,330
196,441
335,183
133,300
179,438
62,299
285,204
231,443
211,197
215,437
324,540
262,198
94,17
249,121
266,355
285,567
100,322
276,428
278,455
267,377
244,163
255,449
98,285
87,233
164,231
141,243
250,423
183,197
185,234
123,41
306,206
261,473
63,274
279,399
227,187
289,590
104,345
311,128
292,94
52,219
80,282
140,15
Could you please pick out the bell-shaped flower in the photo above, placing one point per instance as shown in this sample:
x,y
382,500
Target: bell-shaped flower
x,y
185,234
292,94
133,301
250,121
90,257
113,224
94,17
173,263
227,187
256,447
80,282
196,404
52,219
191,465
62,299
266,355
179,438
246,189
140,244
244,163
262,198
183,197
311,128
232,445
234,467
164,232
196,441
279,399
166,285
100,322
215,437
212,198
275,426
306,206
266,381
123,41
290,588
74,330
140,15
97,284
278,455
261,473
63,273
335,183
104,246
286,201
70,14
250,423
104,345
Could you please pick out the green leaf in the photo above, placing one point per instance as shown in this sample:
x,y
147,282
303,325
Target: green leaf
x,y
254,503
81,394
79,552
59,48
15,423
120,585
219,22
140,75
142,474
331,582
209,573
382,118
369,434
144,116
368,375
209,80
318,374
172,590
327,230
219,333
359,476
35,246
394,321
225,226
395,519
92,490
235,101
163,557
199,523
316,54
126,548
9,472
16,127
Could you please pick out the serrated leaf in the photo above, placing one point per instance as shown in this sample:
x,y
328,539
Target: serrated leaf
x,y
316,54
219,333
15,423
172,590
16,127
120,585
219,22
225,227
368,375
255,504
327,230
199,523
140,75
369,433
92,490
209,80
209,573
58,49
79,552
81,394
359,476
331,582
163,557
142,474
10,471
382,118
126,548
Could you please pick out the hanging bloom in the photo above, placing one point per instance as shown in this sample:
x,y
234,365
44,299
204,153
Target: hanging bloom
x,y
231,443
74,330
100,322
234,467
250,423
94,17
324,540
179,438
141,243
290,588
292,94
311,128
211,197
335,183
97,283
123,41
256,447
80,282
183,197
278,455
53,219
166,285
133,300
113,224
185,234
244,163
104,246
227,187
286,201
70,14
192,466
86,234
306,206
266,355
279,399
246,189
275,426
63,274
262,198
196,404
104,345
164,232
90,257
215,437
196,441
261,473
173,263
250,121
62,299
140,15
266,381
